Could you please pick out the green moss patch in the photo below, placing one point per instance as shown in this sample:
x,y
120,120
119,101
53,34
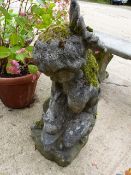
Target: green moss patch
x,y
39,124
89,29
91,69
60,32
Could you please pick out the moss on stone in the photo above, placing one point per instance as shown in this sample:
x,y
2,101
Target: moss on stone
x,y
101,56
60,32
103,59
89,29
39,124
91,69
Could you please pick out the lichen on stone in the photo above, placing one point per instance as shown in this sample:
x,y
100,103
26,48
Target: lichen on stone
x,y
91,69
54,31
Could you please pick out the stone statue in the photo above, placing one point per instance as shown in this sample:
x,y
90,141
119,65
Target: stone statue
x,y
75,60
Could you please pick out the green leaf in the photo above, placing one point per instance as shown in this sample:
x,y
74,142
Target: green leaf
x,y
5,13
32,69
10,11
21,57
14,49
37,10
14,39
22,21
1,1
4,52
40,26
47,20
21,40
52,5
12,56
29,48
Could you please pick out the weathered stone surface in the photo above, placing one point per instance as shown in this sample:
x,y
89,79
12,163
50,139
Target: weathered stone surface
x,y
70,114
74,15
54,59
78,129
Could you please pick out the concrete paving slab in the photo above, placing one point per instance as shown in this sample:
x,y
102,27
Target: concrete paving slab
x,y
110,19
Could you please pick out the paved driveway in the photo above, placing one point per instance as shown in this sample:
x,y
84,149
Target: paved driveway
x,y
115,20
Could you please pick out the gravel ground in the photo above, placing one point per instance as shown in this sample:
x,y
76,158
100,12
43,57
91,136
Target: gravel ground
x,y
108,150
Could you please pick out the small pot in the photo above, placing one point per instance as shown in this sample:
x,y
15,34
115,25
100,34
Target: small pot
x,y
18,92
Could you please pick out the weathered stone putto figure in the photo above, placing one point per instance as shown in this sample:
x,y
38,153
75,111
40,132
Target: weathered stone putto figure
x,y
66,54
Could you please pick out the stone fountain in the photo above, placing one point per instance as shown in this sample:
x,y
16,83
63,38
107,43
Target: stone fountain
x,y
75,60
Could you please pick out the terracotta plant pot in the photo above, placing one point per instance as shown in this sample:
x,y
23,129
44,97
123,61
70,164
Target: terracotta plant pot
x,y
18,92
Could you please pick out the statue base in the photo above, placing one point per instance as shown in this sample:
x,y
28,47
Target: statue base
x,y
60,148
62,158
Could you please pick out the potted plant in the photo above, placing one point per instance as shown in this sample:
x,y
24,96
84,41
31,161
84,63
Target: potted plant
x,y
18,28
18,74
